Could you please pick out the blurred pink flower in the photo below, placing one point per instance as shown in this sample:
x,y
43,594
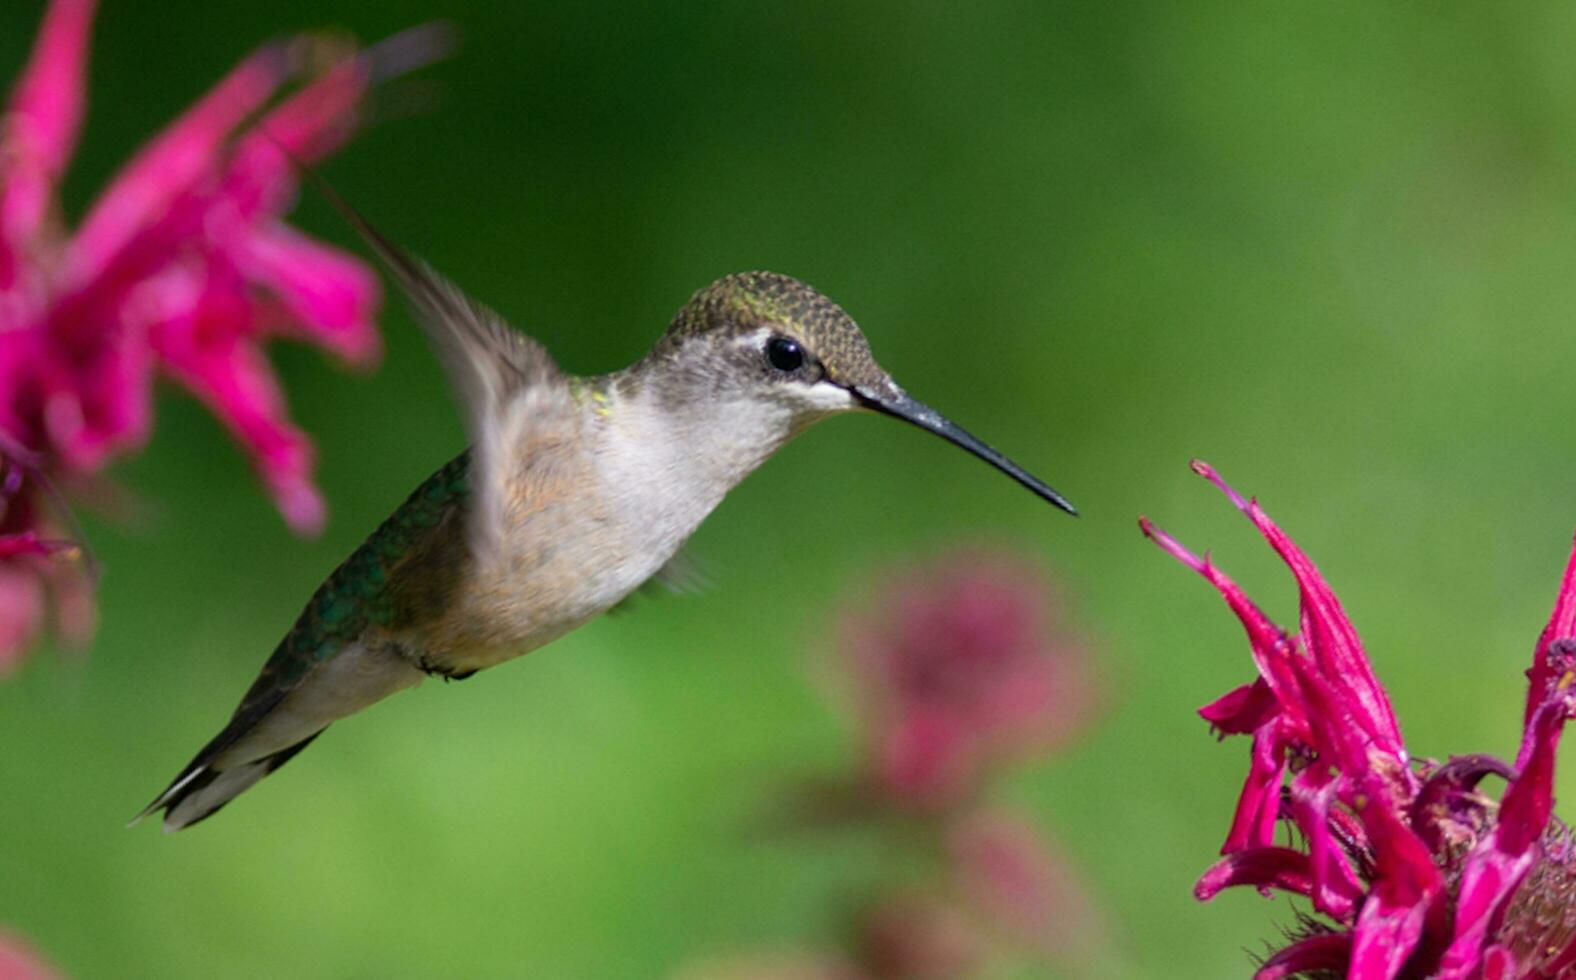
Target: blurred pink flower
x,y
183,266
18,961
1417,873
959,668
918,935
1011,878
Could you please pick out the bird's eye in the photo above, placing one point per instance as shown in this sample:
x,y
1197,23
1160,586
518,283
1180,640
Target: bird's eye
x,y
785,355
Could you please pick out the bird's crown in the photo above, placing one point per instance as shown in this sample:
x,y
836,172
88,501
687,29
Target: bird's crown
x,y
746,302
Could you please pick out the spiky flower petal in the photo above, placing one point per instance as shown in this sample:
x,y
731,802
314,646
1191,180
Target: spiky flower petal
x,y
1418,873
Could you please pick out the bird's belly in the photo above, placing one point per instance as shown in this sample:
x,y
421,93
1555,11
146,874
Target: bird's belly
x,y
504,616
472,649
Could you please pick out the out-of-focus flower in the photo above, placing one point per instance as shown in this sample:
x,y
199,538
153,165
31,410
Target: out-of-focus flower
x,y
183,267
960,668
1018,888
1415,871
918,935
18,961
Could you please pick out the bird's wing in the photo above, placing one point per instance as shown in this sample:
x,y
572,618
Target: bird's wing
x,y
681,575
492,368
356,597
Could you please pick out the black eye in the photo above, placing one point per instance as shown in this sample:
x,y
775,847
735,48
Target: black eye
x,y
785,355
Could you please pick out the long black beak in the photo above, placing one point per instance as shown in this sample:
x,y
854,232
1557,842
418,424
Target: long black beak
x,y
918,413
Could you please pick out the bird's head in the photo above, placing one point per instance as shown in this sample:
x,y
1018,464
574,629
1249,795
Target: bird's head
x,y
781,356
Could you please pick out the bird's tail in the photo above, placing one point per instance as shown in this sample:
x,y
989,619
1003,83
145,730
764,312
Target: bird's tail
x,y
201,790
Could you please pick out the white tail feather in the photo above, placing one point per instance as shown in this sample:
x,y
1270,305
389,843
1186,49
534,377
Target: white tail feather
x,y
168,794
225,787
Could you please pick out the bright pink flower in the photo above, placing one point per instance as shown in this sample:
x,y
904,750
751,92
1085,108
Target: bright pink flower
x,y
1418,873
183,267
960,668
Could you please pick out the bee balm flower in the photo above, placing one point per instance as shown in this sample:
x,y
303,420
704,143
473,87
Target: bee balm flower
x,y
183,266
1414,871
960,667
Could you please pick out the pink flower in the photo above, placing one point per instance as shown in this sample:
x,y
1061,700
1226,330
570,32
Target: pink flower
x,y
183,267
1017,885
961,668
18,961
1413,869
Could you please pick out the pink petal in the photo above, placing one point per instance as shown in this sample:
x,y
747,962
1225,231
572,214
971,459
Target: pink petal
x,y
41,124
1402,900
1488,881
96,397
1497,865
1329,633
260,179
1262,867
21,615
1258,806
18,961
1324,953
1026,703
1337,735
1561,625
202,338
177,158
1499,964
1385,935
1336,888
332,294
1271,648
315,121
1529,802
26,543
1242,710
1009,874
926,758
959,669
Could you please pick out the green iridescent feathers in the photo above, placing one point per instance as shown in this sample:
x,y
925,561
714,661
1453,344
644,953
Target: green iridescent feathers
x,y
359,593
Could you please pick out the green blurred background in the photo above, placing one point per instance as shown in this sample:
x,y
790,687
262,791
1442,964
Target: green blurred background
x,y
1328,247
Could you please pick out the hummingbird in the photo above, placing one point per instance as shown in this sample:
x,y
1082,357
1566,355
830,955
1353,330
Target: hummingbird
x,y
575,492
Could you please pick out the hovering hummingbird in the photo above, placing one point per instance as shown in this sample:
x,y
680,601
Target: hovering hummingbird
x,y
574,493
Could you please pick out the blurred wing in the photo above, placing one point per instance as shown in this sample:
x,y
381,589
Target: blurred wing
x,y
490,366
682,575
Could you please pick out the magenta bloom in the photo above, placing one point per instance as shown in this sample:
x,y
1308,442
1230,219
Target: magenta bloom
x,y
962,668
182,267
1415,871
